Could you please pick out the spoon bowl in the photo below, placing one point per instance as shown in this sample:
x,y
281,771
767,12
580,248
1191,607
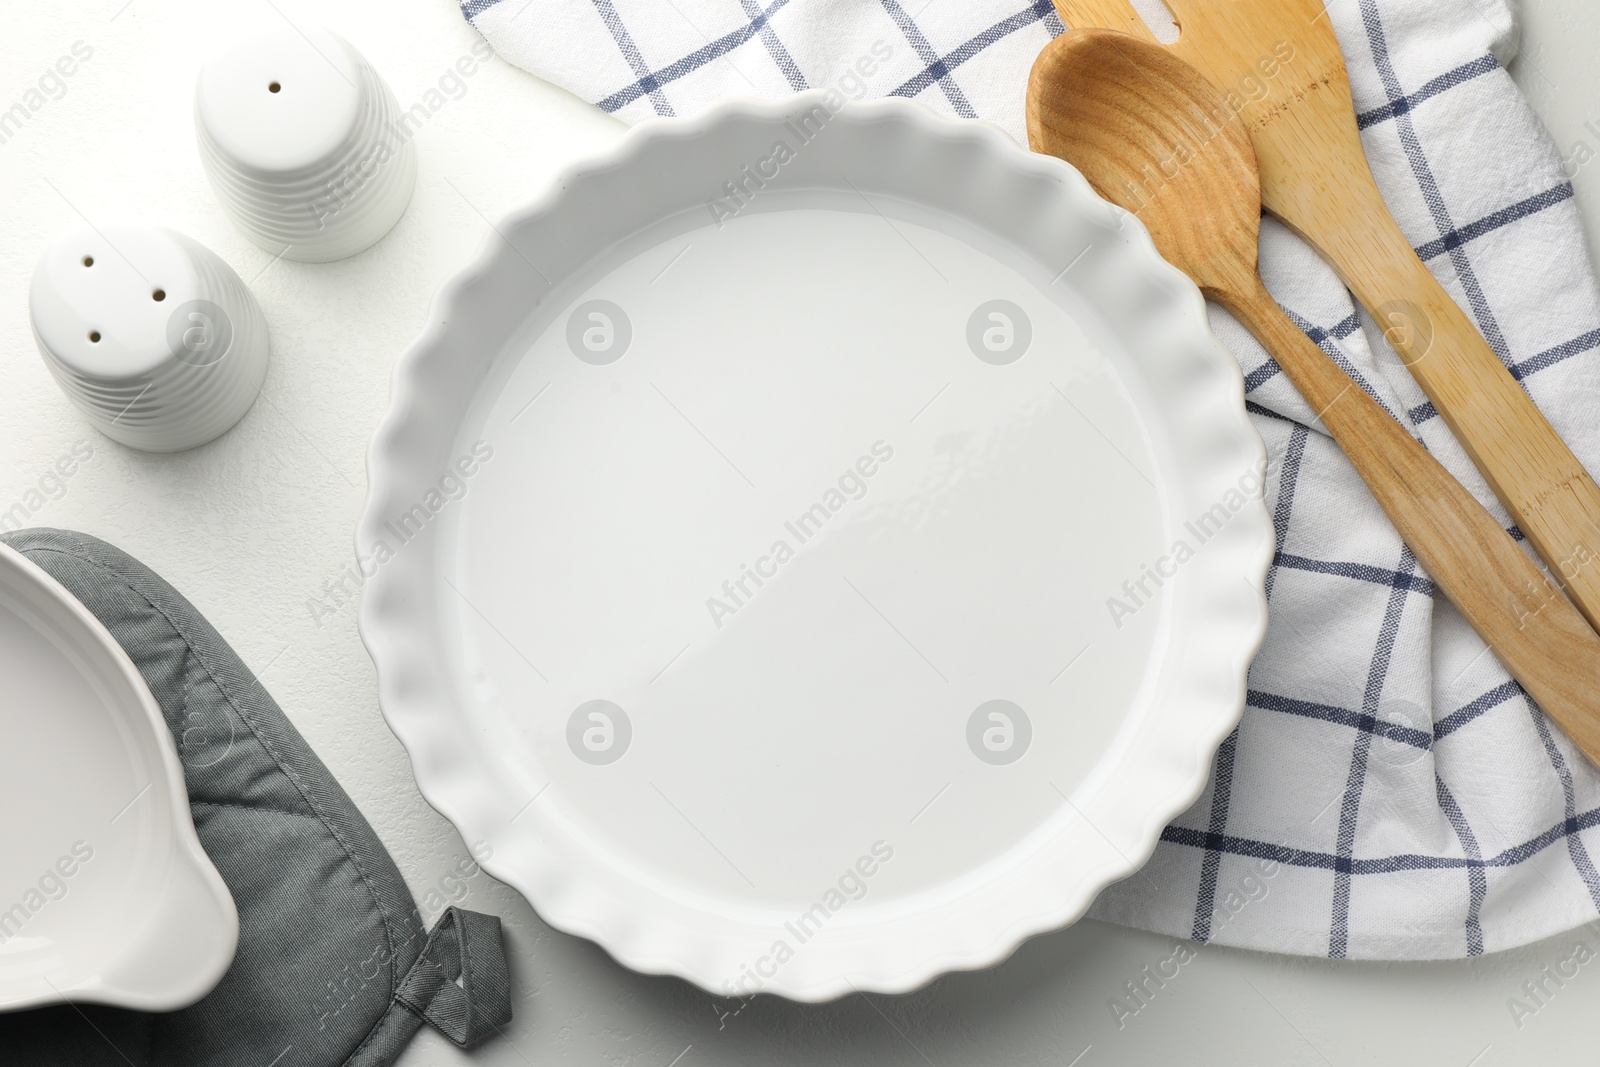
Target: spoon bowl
x,y
1152,135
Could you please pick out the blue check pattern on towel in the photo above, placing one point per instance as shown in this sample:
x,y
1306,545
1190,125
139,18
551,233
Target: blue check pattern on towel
x,y
1390,792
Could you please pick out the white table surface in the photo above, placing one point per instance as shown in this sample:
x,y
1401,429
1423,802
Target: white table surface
x,y
251,526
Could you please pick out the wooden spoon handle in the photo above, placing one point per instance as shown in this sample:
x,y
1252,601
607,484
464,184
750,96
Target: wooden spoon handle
x,y
1539,636
1548,493
1106,14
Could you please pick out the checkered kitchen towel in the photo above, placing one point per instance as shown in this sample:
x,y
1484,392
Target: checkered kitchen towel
x,y
1391,792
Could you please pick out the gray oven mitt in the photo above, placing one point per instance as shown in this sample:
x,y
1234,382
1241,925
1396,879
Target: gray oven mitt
x,y
334,965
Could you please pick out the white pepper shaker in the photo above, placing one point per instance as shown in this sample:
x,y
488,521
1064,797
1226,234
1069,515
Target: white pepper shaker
x,y
155,339
303,143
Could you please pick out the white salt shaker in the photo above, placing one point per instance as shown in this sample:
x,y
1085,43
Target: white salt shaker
x,y
150,333
303,143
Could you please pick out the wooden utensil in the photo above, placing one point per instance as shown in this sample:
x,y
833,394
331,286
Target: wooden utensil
x,y
1151,134
1280,63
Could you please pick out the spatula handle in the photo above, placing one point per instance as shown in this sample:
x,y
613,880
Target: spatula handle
x,y
1536,632
1549,494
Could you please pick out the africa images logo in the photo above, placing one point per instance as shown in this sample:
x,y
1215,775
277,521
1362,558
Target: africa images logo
x,y
54,884
850,887
740,190
344,588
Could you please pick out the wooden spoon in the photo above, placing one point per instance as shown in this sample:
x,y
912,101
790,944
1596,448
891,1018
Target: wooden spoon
x,y
1280,64
1151,134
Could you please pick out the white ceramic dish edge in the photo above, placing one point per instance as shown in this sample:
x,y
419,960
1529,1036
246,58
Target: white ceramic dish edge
x,y
156,982
1175,756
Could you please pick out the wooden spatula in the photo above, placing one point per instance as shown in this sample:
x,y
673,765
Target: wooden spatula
x,y
1151,134
1279,63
